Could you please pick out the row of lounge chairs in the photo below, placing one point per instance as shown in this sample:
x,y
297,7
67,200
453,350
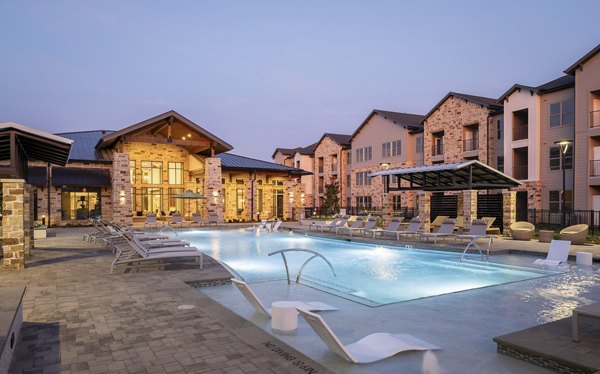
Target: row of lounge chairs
x,y
266,226
371,348
138,249
178,221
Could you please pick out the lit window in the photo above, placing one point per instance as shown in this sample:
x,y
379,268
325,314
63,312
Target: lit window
x,y
175,172
151,172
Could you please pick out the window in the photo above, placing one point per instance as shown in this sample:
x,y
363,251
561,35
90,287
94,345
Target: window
x,y
360,155
419,144
79,203
397,202
133,200
239,200
362,179
359,179
368,153
152,172
260,200
554,200
561,113
363,202
175,205
349,154
132,172
175,172
348,180
396,148
152,199
555,158
500,163
386,150
500,125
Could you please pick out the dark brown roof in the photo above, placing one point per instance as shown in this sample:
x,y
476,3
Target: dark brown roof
x,y
410,121
571,69
308,150
83,177
236,162
566,81
340,139
284,151
487,102
110,139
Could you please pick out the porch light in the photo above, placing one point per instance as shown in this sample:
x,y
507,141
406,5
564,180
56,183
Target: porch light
x,y
384,165
564,145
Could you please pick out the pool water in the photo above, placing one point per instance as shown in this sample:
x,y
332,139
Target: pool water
x,y
369,274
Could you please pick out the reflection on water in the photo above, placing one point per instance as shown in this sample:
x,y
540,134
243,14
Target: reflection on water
x,y
559,295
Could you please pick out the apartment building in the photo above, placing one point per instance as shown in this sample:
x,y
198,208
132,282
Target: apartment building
x,y
534,119
383,140
331,160
586,72
300,158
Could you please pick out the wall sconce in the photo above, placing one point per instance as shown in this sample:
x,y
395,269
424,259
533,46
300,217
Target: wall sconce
x,y
384,165
122,197
215,197
291,197
302,198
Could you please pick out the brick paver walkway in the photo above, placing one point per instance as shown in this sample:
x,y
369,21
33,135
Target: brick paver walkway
x,y
78,319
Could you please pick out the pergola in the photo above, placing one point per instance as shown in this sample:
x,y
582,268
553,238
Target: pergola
x,y
468,177
18,145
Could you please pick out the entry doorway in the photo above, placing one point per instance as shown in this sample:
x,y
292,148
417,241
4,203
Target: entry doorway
x,y
278,203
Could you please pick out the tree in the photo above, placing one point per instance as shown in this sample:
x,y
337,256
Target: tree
x,y
331,205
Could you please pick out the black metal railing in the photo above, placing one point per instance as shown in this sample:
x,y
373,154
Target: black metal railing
x,y
594,168
363,210
520,132
595,118
553,219
520,171
437,149
470,144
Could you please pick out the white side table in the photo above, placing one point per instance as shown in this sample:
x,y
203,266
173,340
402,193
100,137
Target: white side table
x,y
584,258
284,317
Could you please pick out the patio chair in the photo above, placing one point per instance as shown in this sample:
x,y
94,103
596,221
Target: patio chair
x,y
151,220
437,223
130,253
490,221
160,245
391,228
198,220
460,222
356,225
213,219
316,225
177,220
478,230
522,230
557,253
371,348
261,226
446,230
577,234
334,225
415,227
276,226
260,308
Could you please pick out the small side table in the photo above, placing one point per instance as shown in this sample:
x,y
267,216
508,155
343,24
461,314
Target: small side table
x,y
284,317
584,258
545,236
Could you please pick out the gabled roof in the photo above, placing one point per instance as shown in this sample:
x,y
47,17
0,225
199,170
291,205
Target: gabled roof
x,y
284,151
340,139
237,162
566,81
219,145
571,69
308,150
472,175
487,102
36,144
410,121
83,145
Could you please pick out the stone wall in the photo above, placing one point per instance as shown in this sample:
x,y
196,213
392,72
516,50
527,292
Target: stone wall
x,y
424,207
121,189
469,198
509,212
213,186
326,149
13,238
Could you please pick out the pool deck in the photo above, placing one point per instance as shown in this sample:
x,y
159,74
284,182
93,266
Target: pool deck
x,y
79,319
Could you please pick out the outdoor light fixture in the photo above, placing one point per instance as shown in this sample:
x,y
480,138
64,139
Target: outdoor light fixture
x,y
189,135
44,219
183,138
384,165
122,197
564,147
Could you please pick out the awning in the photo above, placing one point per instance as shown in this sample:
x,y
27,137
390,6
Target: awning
x,y
84,177
36,175
469,175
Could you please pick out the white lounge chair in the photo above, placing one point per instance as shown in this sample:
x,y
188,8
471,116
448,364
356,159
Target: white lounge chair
x,y
415,227
261,226
178,220
391,228
213,219
276,226
316,226
260,308
340,223
151,220
477,231
445,230
356,225
372,348
557,253
197,220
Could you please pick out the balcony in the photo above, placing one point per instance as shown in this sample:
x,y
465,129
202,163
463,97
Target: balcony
x,y
471,144
595,119
594,168
520,132
520,172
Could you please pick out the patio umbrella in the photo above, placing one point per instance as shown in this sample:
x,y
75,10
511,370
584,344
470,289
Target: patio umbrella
x,y
190,195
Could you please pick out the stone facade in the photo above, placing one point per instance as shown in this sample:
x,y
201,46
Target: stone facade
x,y
13,218
424,207
333,168
213,183
509,213
121,189
469,198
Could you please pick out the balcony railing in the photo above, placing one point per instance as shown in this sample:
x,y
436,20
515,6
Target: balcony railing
x,y
520,132
320,189
470,144
594,168
595,118
320,168
438,149
520,172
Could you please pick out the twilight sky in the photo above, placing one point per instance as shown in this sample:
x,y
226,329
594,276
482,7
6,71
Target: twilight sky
x,y
267,74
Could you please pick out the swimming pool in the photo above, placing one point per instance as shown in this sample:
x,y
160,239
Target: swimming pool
x,y
369,274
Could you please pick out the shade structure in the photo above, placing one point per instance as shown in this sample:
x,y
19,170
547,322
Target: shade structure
x,y
190,195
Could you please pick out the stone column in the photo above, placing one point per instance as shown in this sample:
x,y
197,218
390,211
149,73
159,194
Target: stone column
x,y
388,207
469,207
212,179
290,199
250,200
28,218
121,189
509,209
460,204
424,206
13,231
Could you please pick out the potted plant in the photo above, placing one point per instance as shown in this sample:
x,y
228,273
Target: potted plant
x,y
39,230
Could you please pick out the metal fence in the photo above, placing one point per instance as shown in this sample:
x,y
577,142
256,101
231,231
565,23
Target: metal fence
x,y
553,219
407,213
